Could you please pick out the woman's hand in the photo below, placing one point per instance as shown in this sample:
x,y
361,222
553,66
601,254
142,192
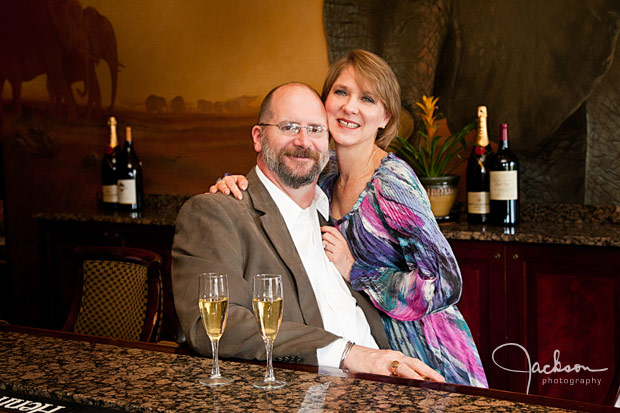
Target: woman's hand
x,y
230,183
337,250
388,363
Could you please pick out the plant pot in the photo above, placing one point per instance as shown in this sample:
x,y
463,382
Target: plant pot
x,y
441,192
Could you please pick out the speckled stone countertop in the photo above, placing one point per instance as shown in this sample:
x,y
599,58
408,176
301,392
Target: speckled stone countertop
x,y
137,380
160,210
569,224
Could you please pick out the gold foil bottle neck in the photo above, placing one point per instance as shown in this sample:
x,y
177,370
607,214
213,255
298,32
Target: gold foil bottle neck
x,y
483,135
128,136
113,138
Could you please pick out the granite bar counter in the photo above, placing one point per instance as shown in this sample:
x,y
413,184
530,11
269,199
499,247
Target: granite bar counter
x,y
561,224
565,224
74,369
158,210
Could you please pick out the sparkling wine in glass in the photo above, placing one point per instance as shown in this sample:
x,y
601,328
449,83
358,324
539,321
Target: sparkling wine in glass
x,y
267,301
213,304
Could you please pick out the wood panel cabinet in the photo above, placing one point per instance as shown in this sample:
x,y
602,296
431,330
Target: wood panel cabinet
x,y
551,310
483,301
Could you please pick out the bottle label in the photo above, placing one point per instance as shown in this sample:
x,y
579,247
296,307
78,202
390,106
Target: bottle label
x,y
127,191
478,203
503,185
110,194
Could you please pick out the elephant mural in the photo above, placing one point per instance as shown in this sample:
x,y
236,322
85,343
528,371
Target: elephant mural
x,y
34,34
101,45
155,104
177,105
534,64
102,42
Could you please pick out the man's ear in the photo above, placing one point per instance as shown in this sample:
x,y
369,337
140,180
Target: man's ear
x,y
257,133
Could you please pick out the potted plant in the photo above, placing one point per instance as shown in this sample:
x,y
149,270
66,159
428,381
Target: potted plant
x,y
434,157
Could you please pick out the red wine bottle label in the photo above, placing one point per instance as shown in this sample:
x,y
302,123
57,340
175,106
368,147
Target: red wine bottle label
x,y
127,192
110,194
478,203
503,185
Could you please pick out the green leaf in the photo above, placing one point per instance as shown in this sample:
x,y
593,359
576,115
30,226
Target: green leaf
x,y
436,156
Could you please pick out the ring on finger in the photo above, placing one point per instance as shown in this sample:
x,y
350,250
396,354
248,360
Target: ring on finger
x,y
394,366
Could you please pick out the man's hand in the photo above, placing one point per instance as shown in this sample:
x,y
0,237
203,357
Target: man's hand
x,y
366,360
230,183
337,251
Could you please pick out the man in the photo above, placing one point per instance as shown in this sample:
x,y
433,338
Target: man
x,y
276,229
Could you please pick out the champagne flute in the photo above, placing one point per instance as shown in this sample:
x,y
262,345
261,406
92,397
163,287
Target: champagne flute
x,y
213,304
267,302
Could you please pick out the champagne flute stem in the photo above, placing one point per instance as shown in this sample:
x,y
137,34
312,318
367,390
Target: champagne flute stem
x,y
215,371
269,348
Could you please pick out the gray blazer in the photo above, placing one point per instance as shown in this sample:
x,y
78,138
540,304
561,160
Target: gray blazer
x,y
217,233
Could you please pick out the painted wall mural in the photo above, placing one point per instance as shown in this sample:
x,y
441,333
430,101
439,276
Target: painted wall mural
x,y
187,76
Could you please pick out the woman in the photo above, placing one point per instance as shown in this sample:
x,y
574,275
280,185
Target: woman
x,y
385,240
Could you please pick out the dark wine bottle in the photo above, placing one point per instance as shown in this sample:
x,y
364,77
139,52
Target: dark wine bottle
x,y
130,192
109,169
504,183
478,206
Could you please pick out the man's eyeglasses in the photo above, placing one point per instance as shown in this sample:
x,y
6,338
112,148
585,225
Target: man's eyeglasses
x,y
293,129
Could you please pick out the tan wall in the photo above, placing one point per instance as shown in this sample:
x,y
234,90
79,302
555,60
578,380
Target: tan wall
x,y
209,49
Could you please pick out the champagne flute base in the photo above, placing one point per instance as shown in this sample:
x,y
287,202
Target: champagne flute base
x,y
269,384
214,380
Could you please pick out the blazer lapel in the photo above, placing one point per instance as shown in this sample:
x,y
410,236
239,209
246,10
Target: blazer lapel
x,y
276,230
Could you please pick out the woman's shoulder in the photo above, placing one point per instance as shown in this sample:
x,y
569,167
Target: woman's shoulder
x,y
396,180
395,171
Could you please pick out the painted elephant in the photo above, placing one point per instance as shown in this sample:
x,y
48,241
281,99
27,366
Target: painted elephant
x,y
205,106
155,104
34,34
177,105
102,42
534,64
102,45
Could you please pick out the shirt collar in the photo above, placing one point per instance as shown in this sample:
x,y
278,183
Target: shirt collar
x,y
288,208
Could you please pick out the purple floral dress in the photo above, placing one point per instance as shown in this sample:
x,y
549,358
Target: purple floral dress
x,y
407,268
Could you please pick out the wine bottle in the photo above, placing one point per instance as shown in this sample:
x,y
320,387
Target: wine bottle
x,y
478,206
130,193
109,169
504,183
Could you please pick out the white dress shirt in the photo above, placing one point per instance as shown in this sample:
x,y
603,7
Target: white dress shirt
x,y
339,310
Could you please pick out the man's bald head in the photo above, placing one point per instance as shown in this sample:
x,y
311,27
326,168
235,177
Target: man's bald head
x,y
266,113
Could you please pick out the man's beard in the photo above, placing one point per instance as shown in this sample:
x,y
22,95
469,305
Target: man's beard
x,y
276,163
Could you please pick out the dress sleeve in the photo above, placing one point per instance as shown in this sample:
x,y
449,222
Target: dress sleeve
x,y
425,277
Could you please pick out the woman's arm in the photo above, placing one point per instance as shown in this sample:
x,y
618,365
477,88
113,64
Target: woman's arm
x,y
428,278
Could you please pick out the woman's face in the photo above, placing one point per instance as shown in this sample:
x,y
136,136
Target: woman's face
x,y
353,114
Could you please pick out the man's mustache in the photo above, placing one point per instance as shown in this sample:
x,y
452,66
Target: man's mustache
x,y
301,153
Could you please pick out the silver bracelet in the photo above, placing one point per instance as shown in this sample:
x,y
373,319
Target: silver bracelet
x,y
345,353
